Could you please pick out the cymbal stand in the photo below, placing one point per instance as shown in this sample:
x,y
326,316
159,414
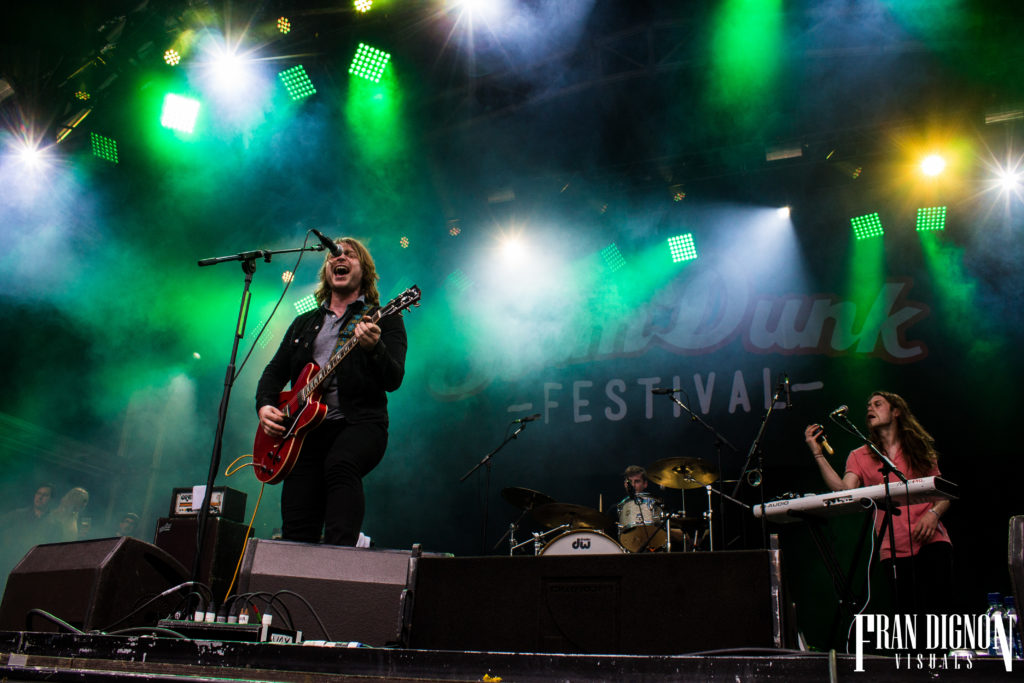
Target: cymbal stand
x,y
536,540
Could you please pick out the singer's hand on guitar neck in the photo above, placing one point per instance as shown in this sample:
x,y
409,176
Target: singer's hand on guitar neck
x,y
271,421
367,333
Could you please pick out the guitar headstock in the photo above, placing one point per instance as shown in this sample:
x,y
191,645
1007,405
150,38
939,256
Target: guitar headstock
x,y
410,297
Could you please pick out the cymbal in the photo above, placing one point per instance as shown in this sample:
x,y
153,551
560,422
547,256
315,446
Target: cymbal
x,y
525,499
578,516
682,473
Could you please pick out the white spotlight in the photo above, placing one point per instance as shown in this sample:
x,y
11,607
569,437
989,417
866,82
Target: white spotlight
x,y
933,164
782,212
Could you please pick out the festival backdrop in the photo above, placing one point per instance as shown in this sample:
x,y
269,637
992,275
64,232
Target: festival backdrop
x,y
537,220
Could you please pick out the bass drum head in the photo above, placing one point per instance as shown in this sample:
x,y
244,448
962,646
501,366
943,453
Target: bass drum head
x,y
582,542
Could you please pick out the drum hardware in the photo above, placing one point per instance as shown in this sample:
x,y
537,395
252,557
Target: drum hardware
x,y
524,499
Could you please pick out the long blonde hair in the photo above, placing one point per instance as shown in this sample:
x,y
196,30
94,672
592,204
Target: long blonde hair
x,y
367,286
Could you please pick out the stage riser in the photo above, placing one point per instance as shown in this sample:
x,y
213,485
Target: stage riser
x,y
627,604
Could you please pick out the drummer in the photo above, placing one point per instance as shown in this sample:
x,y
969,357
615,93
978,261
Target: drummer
x,y
637,476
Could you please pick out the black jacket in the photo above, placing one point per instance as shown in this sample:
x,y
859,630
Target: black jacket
x,y
363,376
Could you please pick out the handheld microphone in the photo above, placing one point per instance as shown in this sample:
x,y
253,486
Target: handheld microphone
x,y
329,244
823,440
659,390
528,418
841,411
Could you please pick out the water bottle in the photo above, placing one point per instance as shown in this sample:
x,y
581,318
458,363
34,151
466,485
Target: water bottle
x,y
1012,632
994,614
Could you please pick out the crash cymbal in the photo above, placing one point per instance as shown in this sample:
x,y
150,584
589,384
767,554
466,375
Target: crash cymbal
x,y
577,516
525,499
682,473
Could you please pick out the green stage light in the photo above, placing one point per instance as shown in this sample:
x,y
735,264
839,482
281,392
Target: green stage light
x,y
297,82
369,63
363,5
682,248
104,148
179,113
284,26
171,57
613,257
931,218
306,303
868,225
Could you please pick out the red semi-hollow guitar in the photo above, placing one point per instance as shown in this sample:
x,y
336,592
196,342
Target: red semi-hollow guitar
x,y
273,457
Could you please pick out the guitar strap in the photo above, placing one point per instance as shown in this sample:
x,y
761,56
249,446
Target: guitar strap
x,y
349,329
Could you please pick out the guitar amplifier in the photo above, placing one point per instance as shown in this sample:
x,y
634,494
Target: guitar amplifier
x,y
225,502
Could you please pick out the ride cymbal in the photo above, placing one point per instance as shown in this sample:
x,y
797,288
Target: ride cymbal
x,y
576,516
682,473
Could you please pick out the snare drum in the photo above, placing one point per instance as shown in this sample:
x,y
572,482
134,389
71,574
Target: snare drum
x,y
640,525
582,542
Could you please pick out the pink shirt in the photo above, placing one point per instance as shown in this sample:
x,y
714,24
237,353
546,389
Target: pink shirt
x,y
862,463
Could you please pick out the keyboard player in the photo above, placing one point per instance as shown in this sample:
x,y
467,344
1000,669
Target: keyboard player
x,y
924,554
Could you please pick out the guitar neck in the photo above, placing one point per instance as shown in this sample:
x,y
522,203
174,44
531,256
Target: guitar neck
x,y
316,380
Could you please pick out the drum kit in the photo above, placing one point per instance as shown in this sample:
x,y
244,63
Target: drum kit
x,y
642,523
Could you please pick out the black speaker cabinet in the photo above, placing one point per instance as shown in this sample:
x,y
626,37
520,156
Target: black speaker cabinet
x,y
654,603
91,585
357,592
222,548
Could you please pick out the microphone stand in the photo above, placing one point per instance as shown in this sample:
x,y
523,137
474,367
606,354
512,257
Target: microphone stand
x,y
719,440
487,486
890,510
755,448
248,259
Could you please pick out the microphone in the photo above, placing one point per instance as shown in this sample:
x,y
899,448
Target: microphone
x,y
329,244
528,418
659,390
823,440
789,396
841,411
632,492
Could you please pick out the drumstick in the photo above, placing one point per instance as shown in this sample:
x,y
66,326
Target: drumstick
x,y
600,502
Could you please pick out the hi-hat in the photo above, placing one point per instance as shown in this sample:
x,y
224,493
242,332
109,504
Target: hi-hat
x,y
682,473
576,516
525,499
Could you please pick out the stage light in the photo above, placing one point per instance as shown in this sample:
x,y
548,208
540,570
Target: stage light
x,y
29,154
682,248
404,242
284,26
868,225
453,227
82,95
512,250
171,57
677,192
287,277
363,5
931,218
783,212
932,165
1009,181
103,147
613,257
305,304
179,113
296,82
369,63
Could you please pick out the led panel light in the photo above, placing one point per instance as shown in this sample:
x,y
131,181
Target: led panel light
x,y
931,218
868,225
369,63
363,5
305,304
179,113
613,257
284,26
104,147
296,82
682,248
171,57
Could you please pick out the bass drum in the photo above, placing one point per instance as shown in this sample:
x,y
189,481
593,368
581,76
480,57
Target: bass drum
x,y
582,542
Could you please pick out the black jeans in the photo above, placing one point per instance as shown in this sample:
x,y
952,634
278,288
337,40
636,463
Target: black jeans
x,y
323,494
924,582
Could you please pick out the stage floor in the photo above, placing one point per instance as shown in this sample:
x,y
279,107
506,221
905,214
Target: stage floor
x,y
26,656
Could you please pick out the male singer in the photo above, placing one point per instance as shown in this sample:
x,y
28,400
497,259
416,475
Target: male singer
x,y
323,493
